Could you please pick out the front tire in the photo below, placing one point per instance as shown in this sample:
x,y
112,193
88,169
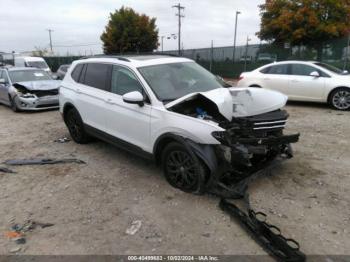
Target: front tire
x,y
340,99
75,126
182,169
13,105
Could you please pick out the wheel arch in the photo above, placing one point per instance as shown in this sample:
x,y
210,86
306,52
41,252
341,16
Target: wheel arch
x,y
67,106
204,152
255,85
333,90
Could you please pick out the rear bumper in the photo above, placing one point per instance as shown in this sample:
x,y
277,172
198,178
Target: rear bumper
x,y
37,103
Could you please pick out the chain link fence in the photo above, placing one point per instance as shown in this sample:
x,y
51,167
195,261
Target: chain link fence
x,y
220,61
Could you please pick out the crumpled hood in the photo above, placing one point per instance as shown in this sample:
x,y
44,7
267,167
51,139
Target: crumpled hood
x,y
240,102
39,85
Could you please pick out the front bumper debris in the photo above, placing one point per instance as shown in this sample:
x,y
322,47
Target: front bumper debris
x,y
36,103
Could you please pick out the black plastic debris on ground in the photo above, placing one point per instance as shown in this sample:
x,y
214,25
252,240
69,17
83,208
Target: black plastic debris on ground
x,y
28,226
268,236
42,161
6,170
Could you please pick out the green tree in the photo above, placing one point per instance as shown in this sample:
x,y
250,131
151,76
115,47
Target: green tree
x,y
128,31
304,22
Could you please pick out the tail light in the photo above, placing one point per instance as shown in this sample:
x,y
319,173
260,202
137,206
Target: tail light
x,y
240,77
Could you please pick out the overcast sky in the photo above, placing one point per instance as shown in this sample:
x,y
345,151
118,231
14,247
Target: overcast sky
x,y
23,23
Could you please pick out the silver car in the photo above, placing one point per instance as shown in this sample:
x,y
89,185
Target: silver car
x,y
28,89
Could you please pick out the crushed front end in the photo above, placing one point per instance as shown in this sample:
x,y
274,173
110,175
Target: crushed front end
x,y
250,145
34,100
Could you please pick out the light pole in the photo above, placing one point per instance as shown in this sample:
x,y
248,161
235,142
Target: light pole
x,y
246,54
234,41
163,36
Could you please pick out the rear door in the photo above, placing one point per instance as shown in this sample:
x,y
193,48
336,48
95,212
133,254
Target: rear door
x,y
128,122
93,93
276,77
304,87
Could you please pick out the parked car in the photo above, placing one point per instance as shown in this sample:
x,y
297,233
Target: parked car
x,y
62,70
266,58
28,89
303,81
247,59
176,112
30,61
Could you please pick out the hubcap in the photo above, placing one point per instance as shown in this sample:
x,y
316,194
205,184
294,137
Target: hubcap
x,y
181,169
341,100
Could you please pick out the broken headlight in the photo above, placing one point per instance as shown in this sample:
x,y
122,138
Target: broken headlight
x,y
28,95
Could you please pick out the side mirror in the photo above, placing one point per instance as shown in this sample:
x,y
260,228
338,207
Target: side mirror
x,y
55,77
134,97
345,72
315,74
2,81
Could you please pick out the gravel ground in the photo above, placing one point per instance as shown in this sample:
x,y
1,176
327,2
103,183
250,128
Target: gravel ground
x,y
92,205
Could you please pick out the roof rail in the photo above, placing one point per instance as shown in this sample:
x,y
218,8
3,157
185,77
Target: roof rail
x,y
108,56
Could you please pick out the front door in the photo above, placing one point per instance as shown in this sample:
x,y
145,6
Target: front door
x,y
128,122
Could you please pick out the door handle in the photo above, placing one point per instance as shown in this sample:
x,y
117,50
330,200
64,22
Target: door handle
x,y
294,81
267,78
78,91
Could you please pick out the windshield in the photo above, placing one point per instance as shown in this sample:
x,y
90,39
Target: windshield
x,y
172,81
332,69
38,64
28,75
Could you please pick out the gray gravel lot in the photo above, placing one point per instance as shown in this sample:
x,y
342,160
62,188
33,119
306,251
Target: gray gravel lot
x,y
92,205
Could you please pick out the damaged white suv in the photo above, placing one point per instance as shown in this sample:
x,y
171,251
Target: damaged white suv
x,y
174,111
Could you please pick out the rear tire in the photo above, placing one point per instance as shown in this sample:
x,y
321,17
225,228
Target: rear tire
x,y
340,98
182,169
75,126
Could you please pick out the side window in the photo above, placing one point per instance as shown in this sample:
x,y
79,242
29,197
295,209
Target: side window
x,y
124,81
97,75
278,70
303,70
4,76
76,72
265,70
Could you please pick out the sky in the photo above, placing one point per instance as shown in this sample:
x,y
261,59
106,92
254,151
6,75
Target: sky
x,y
77,25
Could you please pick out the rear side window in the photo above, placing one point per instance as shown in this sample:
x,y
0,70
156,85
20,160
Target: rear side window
x,y
77,72
98,76
276,70
303,70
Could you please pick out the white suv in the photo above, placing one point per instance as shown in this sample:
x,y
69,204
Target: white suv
x,y
174,111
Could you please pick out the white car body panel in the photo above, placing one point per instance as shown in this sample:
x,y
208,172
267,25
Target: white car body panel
x,y
142,126
297,88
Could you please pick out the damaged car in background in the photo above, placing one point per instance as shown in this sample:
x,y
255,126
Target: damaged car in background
x,y
28,89
204,134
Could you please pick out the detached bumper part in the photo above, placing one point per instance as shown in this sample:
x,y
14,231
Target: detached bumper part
x,y
268,236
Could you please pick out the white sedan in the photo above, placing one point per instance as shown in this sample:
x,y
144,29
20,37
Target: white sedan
x,y
303,81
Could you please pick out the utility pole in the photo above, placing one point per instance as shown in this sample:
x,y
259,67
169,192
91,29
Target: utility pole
x,y
50,31
234,41
179,9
